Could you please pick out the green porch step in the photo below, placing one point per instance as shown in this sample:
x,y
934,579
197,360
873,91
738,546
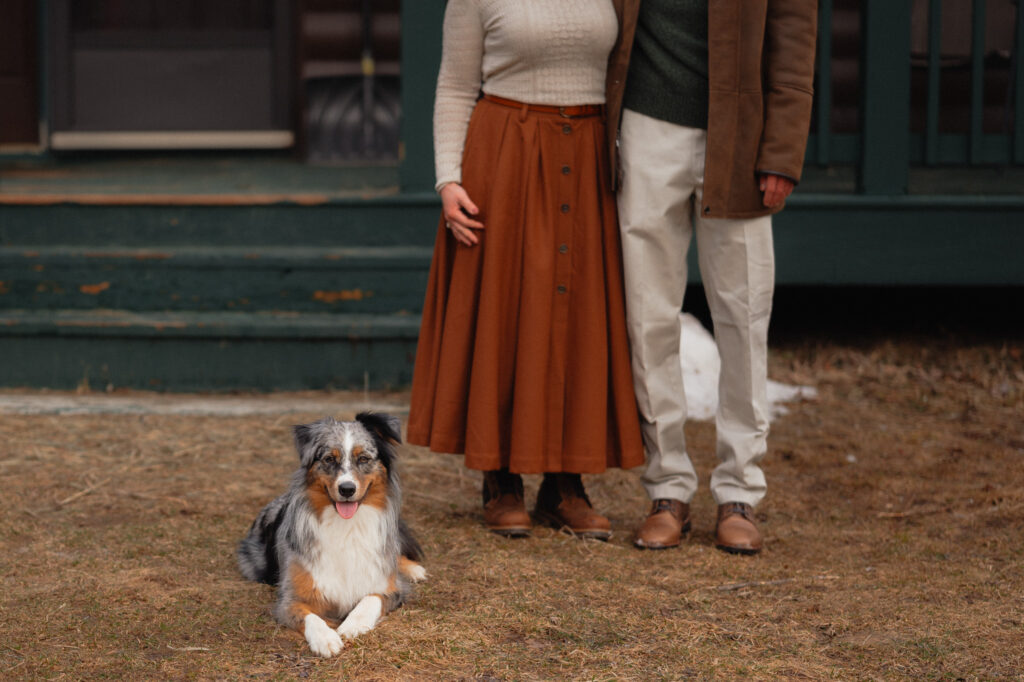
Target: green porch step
x,y
401,220
361,279
199,351
246,293
213,292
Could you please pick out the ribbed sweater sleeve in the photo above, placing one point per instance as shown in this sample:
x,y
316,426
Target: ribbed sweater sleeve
x,y
458,86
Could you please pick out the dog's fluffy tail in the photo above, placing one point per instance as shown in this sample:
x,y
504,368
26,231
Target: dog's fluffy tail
x,y
257,552
410,546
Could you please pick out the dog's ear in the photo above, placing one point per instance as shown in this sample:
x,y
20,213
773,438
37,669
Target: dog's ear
x,y
383,425
303,442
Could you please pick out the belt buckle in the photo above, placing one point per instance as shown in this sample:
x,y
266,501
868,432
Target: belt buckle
x,y
561,112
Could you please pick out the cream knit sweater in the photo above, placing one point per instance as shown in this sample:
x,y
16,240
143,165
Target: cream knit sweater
x,y
536,51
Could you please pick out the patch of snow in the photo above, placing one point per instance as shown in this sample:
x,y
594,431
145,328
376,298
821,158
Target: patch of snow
x,y
698,355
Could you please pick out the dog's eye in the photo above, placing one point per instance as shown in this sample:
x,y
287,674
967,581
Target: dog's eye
x,y
363,459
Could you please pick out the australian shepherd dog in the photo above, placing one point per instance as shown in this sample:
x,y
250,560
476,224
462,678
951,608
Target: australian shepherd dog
x,y
335,544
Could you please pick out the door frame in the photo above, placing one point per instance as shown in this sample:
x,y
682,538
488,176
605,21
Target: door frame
x,y
64,135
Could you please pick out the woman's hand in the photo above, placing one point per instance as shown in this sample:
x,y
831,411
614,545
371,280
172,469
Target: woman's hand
x,y
457,208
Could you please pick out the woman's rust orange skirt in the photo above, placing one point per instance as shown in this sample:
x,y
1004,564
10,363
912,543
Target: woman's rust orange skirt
x,y
523,358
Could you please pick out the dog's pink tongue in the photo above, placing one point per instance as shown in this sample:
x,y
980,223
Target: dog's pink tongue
x,y
346,509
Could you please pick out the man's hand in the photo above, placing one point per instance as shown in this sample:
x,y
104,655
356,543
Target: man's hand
x,y
776,188
457,208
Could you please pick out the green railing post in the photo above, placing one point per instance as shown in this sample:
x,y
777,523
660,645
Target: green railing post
x,y
1018,87
823,91
885,151
931,146
421,57
977,132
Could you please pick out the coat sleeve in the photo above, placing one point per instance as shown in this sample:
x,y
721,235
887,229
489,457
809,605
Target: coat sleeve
x,y
458,86
789,85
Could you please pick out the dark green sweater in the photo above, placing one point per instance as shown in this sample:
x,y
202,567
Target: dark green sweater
x,y
668,68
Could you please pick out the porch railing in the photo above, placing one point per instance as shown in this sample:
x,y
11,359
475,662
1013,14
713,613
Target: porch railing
x,y
918,83
900,84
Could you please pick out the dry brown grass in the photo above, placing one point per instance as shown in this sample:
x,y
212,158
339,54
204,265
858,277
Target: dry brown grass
x,y
893,524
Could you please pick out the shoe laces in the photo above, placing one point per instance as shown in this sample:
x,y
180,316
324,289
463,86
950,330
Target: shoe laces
x,y
741,508
661,505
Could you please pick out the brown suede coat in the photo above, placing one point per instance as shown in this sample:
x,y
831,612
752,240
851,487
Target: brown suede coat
x,y
760,73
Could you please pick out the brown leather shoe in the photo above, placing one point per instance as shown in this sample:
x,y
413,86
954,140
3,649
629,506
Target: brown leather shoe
x,y
504,507
735,531
665,526
562,503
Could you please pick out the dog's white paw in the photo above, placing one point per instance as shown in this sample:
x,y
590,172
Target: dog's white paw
x,y
362,618
322,639
416,573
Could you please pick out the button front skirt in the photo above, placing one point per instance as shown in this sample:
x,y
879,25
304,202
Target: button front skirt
x,y
523,358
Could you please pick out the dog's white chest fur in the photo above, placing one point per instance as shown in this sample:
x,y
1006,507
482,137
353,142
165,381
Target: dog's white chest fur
x,y
352,559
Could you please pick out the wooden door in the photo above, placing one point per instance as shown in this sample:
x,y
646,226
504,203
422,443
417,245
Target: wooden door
x,y
19,111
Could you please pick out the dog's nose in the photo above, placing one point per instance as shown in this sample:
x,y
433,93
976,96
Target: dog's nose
x,y
347,489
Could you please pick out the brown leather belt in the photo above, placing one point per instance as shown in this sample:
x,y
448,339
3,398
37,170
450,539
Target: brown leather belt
x,y
580,111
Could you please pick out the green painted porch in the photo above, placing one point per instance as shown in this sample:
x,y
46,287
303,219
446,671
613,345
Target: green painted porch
x,y
211,271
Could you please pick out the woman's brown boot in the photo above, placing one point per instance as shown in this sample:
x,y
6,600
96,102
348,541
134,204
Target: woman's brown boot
x,y
562,503
504,508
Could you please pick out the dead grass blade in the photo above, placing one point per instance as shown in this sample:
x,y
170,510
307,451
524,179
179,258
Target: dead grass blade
x,y
752,583
912,512
82,493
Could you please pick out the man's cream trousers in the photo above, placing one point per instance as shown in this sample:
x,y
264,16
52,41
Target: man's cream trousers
x,y
659,210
